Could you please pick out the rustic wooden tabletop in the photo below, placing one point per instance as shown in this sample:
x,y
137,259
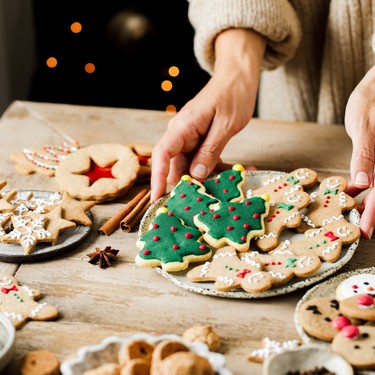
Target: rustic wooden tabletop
x,y
124,299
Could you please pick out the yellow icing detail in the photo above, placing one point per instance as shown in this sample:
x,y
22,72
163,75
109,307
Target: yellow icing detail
x,y
238,167
186,177
266,197
162,210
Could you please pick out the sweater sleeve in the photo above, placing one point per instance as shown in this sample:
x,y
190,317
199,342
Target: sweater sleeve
x,y
274,19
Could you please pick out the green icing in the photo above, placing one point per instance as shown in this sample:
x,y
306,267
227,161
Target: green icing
x,y
186,201
285,206
235,220
291,179
291,263
328,191
225,186
168,231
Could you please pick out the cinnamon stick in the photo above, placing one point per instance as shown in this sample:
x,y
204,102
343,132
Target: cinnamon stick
x,y
138,208
113,223
128,227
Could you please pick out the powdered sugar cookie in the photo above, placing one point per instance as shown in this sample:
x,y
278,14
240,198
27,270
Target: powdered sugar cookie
x,y
227,186
355,285
234,223
17,302
98,172
229,272
170,244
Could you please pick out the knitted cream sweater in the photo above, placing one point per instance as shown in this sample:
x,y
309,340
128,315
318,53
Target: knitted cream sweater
x,y
317,51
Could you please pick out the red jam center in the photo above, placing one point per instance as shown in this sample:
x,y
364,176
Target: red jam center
x,y
96,173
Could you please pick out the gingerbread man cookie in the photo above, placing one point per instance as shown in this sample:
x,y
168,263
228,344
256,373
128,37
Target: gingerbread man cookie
x,y
280,187
284,265
227,186
17,302
285,214
234,223
327,204
188,199
325,242
170,244
229,272
5,198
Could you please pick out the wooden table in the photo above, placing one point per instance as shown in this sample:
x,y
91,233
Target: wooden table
x,y
124,299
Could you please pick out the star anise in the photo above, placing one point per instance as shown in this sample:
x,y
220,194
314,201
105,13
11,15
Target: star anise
x,y
103,257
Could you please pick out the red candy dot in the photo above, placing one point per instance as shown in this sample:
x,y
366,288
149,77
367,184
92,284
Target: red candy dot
x,y
203,213
155,226
175,247
340,322
187,208
285,184
199,199
183,195
225,190
217,181
216,216
275,190
243,238
246,226
231,208
146,252
350,331
188,235
328,197
236,217
255,216
247,203
355,286
156,238
173,229
364,300
191,183
229,227
170,214
202,247
231,177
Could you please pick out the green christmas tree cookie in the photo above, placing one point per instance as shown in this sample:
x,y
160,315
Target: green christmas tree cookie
x,y
170,244
234,223
188,199
227,187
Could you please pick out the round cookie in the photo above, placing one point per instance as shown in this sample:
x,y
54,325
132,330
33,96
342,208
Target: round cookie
x,y
316,316
40,362
360,307
137,349
354,285
99,172
359,350
205,334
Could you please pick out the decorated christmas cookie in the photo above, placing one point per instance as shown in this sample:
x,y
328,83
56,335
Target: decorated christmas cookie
x,y
188,199
282,186
360,306
355,285
285,214
98,172
17,302
327,204
234,223
357,346
227,186
325,242
170,244
320,318
284,265
5,198
229,272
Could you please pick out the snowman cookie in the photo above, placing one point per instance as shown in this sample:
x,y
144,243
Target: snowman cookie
x,y
355,285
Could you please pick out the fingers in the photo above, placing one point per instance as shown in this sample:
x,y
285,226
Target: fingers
x,y
368,216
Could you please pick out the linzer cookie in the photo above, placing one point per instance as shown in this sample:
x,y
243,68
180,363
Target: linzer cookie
x,y
234,223
229,272
19,305
170,244
355,285
227,186
188,199
99,172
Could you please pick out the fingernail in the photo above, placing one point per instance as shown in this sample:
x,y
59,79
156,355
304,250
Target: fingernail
x,y
199,171
361,178
370,233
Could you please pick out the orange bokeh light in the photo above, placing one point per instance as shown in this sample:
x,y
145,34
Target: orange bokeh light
x,y
51,62
166,85
171,109
174,71
89,68
76,27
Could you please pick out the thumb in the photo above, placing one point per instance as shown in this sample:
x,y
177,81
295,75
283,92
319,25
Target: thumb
x,y
363,160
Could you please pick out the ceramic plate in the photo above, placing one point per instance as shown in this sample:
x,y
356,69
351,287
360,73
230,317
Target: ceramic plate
x,y
13,252
253,181
91,357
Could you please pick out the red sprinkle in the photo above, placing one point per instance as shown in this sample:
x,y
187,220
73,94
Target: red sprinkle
x,y
203,213
186,208
236,217
202,247
355,286
247,203
340,322
217,181
188,235
170,214
225,190
243,238
155,226
175,247
156,238
216,216
146,252
350,331
183,195
231,208
191,183
255,216
231,177
173,229
229,227
246,226
199,199
364,300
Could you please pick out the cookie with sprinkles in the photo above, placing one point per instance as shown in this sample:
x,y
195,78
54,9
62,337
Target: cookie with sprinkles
x,y
170,244
188,199
229,272
227,186
325,242
234,223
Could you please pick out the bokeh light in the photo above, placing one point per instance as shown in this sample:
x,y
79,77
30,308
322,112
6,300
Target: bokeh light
x,y
171,109
166,85
51,62
174,71
76,27
89,68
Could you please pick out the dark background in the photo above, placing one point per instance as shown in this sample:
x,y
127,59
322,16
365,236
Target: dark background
x,y
130,65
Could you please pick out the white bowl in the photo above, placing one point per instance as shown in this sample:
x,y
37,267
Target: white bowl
x,y
7,340
306,357
90,357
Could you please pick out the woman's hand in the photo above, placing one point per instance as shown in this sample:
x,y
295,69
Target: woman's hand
x,y
360,125
197,135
